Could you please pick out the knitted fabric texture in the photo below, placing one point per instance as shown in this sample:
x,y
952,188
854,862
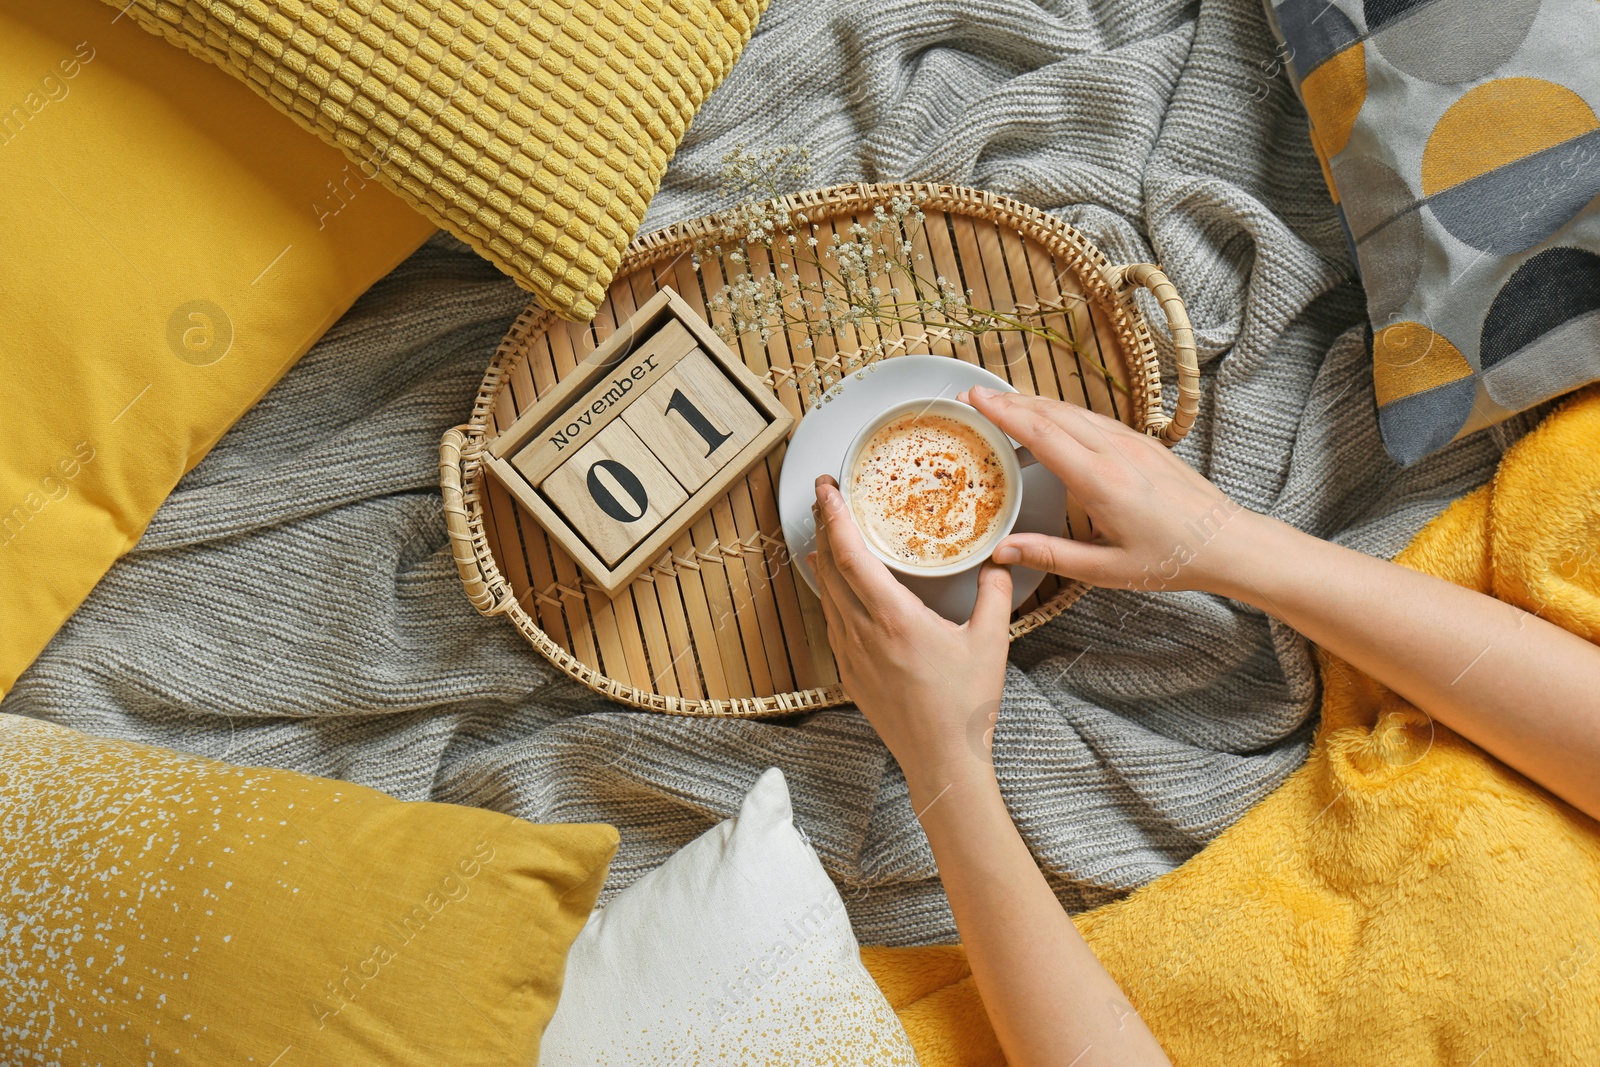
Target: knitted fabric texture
x,y
535,132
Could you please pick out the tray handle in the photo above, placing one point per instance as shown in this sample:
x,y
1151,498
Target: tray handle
x,y
455,524
1171,429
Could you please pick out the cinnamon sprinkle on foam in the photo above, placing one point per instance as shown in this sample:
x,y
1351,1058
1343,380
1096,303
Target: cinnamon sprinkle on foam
x,y
927,489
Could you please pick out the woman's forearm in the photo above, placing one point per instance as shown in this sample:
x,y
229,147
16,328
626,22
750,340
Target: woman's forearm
x,y
1522,688
921,680
1050,1001
1518,686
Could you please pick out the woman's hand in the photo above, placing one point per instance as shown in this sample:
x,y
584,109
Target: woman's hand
x,y
1158,524
1530,696
929,687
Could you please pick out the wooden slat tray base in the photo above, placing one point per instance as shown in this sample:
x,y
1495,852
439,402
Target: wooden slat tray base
x,y
721,624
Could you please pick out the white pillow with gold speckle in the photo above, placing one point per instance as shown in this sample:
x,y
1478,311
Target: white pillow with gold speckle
x,y
735,951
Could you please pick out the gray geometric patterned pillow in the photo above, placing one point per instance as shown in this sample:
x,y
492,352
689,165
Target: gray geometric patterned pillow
x,y
1461,142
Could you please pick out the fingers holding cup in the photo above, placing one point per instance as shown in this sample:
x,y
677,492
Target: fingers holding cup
x,y
850,562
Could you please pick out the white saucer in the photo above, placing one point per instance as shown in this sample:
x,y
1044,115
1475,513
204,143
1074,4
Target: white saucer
x,y
818,444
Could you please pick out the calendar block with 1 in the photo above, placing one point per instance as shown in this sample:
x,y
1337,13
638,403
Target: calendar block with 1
x,y
630,448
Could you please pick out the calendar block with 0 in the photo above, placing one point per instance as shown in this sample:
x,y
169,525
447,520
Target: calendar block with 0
x,y
631,448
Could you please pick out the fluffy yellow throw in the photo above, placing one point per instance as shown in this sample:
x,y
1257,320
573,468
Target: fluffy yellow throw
x,y
1403,898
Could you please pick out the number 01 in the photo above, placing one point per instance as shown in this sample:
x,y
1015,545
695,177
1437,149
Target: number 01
x,y
638,501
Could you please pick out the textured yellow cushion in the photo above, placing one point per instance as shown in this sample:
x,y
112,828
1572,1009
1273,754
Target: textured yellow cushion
x,y
535,130
162,266
160,908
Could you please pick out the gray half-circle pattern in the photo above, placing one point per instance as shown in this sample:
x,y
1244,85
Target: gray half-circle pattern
x,y
1551,288
1565,358
1541,336
1448,43
1313,31
1379,208
1381,13
1425,422
1514,207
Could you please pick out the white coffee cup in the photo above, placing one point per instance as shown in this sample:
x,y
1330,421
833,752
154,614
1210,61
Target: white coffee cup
x,y
1012,459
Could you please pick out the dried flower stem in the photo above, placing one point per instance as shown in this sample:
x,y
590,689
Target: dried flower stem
x,y
820,288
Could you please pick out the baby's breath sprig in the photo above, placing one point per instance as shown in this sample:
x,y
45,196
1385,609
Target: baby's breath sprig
x,y
782,274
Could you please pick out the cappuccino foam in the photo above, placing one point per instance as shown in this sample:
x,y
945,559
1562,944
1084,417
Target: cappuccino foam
x,y
928,490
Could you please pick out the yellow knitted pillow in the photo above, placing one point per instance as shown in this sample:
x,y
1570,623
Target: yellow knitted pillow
x,y
535,130
160,908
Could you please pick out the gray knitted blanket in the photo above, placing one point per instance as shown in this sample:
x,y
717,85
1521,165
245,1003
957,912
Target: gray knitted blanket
x,y
292,607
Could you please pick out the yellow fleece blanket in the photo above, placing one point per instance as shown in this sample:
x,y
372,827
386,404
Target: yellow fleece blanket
x,y
1403,898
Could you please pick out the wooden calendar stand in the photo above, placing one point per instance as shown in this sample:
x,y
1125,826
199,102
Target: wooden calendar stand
x,y
631,447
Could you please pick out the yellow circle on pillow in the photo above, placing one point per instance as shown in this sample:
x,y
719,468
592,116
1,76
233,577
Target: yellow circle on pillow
x,y
1498,123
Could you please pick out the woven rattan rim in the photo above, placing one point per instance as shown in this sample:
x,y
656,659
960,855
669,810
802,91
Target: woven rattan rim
x,y
1110,287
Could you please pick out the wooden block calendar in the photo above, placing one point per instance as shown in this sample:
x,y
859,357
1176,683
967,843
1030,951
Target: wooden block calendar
x,y
631,448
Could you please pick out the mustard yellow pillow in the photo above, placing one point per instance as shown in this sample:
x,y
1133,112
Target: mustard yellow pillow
x,y
161,908
171,245
535,130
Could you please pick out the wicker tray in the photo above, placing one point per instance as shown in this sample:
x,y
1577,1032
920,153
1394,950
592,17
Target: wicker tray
x,y
721,625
